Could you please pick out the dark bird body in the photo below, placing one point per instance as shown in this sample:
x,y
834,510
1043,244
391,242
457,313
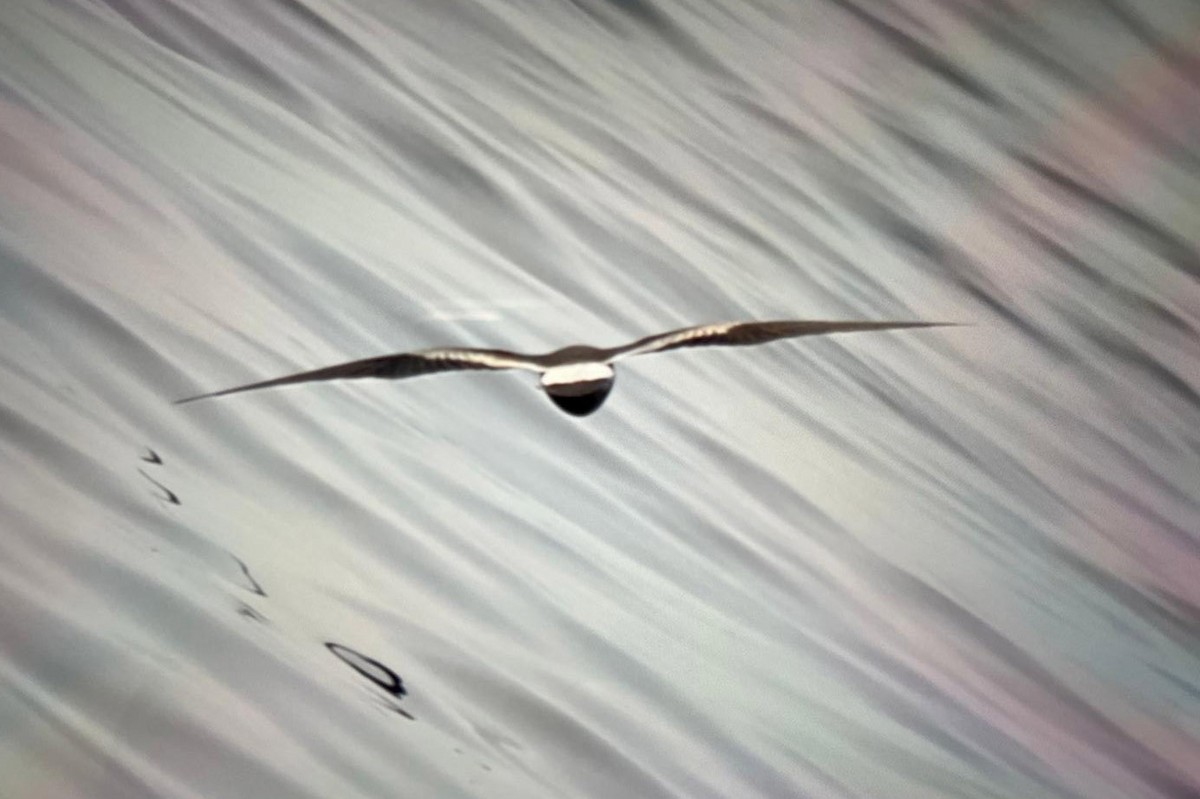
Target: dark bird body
x,y
577,378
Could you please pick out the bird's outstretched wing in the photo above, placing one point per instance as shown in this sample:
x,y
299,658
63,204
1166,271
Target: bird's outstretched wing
x,y
742,334
394,367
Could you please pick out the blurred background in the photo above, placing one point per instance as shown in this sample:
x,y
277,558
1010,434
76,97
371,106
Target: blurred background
x,y
961,562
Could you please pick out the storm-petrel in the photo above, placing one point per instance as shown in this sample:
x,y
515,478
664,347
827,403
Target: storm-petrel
x,y
576,378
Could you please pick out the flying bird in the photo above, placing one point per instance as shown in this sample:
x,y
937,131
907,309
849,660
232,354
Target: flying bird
x,y
576,378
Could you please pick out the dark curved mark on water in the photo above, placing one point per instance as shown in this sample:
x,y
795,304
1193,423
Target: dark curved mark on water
x,y
151,457
374,671
247,612
168,495
254,585
370,668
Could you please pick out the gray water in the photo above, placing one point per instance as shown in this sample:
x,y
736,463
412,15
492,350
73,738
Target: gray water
x,y
960,562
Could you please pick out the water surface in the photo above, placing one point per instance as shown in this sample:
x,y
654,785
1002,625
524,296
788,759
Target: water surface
x,y
942,563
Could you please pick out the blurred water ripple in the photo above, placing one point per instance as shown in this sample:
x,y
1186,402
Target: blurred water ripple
x,y
958,563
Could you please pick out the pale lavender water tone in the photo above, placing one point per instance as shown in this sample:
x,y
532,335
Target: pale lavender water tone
x,y
945,563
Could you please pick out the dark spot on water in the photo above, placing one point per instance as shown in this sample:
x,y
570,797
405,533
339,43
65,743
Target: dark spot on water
x,y
168,495
376,672
247,612
254,586
403,712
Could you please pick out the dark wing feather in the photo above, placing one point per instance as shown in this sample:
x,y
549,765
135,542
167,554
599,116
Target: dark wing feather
x,y
394,367
742,334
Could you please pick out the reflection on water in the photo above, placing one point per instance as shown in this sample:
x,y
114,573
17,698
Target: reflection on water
x,y
905,565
